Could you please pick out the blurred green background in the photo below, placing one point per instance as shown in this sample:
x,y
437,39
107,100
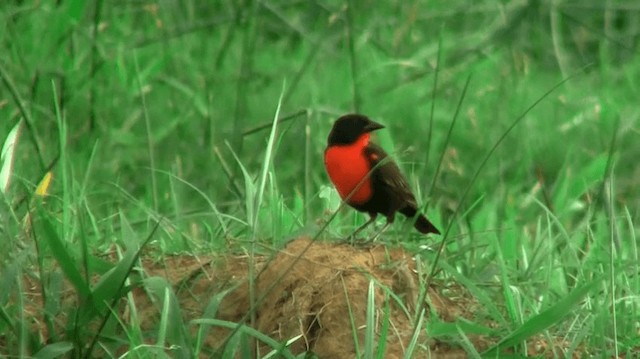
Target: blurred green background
x,y
157,99
156,108
160,89
146,86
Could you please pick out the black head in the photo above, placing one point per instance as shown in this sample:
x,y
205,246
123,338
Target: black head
x,y
348,128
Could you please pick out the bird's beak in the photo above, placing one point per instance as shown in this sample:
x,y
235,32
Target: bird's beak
x,y
372,126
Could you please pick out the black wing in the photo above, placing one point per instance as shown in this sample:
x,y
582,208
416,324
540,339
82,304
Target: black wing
x,y
391,192
388,178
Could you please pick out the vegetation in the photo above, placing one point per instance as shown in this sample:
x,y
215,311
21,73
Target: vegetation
x,y
147,128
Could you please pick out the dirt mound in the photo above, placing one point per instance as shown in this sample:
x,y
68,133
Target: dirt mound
x,y
320,290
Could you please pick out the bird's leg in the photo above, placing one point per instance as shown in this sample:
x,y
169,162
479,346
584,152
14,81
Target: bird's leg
x,y
371,220
390,220
384,228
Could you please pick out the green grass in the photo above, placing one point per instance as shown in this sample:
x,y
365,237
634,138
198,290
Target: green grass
x,y
156,121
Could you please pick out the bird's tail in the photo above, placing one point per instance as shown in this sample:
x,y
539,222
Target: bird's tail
x,y
423,225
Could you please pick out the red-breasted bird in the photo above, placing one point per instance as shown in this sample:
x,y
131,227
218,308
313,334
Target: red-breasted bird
x,y
365,177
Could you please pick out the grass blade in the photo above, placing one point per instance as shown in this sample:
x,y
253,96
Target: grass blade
x,y
546,319
61,253
6,157
468,345
240,328
118,275
171,330
369,334
411,347
26,115
55,350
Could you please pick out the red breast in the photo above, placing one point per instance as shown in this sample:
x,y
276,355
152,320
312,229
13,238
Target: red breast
x,y
347,166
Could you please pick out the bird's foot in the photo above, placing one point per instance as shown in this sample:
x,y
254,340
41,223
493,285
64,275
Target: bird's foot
x,y
377,235
357,242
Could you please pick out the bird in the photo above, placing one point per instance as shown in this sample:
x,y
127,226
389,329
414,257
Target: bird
x,y
366,178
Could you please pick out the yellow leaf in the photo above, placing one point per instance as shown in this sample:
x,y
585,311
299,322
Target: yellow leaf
x,y
43,186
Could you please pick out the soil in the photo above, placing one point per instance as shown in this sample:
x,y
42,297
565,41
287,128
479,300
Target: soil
x,y
321,290
316,293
